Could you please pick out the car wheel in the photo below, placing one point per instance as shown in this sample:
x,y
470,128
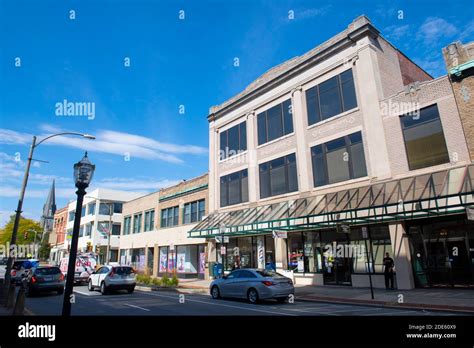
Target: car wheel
x,y
60,291
281,299
89,286
103,288
215,292
252,296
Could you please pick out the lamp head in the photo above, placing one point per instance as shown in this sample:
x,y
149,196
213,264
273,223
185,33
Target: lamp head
x,y
83,172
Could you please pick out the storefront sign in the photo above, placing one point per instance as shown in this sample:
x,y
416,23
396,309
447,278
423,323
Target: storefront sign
x,y
222,250
202,262
280,234
181,261
163,260
222,239
261,252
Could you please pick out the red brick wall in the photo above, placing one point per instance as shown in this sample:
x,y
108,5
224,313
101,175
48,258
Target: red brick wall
x,y
410,71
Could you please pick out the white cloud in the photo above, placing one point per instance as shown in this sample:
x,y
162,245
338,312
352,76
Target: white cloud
x,y
396,32
112,142
311,12
433,29
10,137
467,31
132,139
135,184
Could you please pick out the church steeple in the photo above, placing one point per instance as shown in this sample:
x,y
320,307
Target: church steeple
x,y
49,208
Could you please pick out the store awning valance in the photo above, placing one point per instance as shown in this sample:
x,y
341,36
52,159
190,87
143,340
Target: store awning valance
x,y
434,194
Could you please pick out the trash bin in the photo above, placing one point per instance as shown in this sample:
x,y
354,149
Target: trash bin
x,y
218,270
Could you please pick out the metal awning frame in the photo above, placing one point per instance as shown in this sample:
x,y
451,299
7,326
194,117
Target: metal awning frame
x,y
403,199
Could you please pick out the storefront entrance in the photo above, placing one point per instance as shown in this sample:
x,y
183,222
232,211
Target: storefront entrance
x,y
245,252
442,253
337,268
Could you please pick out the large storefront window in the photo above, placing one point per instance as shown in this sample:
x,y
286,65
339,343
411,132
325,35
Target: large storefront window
x,y
184,260
378,244
442,252
338,255
247,252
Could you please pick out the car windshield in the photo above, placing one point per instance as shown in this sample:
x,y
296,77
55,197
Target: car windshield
x,y
47,271
270,273
123,270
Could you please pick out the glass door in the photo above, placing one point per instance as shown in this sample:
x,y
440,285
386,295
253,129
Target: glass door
x,y
337,261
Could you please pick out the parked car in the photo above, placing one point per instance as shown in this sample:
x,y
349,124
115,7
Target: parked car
x,y
3,267
254,285
21,269
45,278
112,277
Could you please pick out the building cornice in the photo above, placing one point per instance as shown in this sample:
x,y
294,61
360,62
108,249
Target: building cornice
x,y
359,28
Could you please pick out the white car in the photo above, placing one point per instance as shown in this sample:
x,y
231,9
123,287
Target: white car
x,y
112,277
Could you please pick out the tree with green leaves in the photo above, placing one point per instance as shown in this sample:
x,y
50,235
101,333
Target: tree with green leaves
x,y
25,231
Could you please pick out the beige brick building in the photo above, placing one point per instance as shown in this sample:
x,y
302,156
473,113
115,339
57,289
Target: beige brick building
x,y
351,146
154,230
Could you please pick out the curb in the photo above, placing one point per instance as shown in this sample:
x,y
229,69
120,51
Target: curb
x,y
375,303
177,289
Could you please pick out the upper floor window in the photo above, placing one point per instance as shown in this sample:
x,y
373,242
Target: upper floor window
x,y
71,215
105,209
234,188
88,232
126,225
194,211
278,176
137,223
91,208
169,217
118,208
233,141
149,220
275,122
424,139
83,211
338,160
331,97
116,229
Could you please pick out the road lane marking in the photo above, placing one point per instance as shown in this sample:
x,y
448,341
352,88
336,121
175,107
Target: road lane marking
x,y
143,309
221,304
84,293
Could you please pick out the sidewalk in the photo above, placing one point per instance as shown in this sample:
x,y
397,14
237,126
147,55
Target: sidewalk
x,y
461,300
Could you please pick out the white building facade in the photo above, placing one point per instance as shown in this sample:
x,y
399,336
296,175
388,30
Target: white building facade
x,y
348,146
101,213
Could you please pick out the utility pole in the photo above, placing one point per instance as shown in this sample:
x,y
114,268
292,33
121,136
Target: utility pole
x,y
109,233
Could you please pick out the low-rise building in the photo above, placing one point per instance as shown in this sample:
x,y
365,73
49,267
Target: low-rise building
x,y
154,230
101,217
58,235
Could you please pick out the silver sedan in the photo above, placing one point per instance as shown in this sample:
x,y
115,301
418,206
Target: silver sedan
x,y
254,285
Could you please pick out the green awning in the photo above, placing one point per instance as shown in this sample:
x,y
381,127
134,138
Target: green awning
x,y
440,193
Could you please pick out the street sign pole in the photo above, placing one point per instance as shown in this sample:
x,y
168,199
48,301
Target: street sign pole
x,y
365,235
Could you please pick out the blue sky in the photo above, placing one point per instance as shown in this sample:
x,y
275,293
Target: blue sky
x,y
173,62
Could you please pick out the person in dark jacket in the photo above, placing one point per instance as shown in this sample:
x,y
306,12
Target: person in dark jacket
x,y
388,270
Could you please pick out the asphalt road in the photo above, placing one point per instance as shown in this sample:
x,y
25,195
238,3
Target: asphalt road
x,y
171,303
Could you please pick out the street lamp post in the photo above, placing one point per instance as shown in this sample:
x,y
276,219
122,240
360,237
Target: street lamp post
x,y
83,172
19,208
